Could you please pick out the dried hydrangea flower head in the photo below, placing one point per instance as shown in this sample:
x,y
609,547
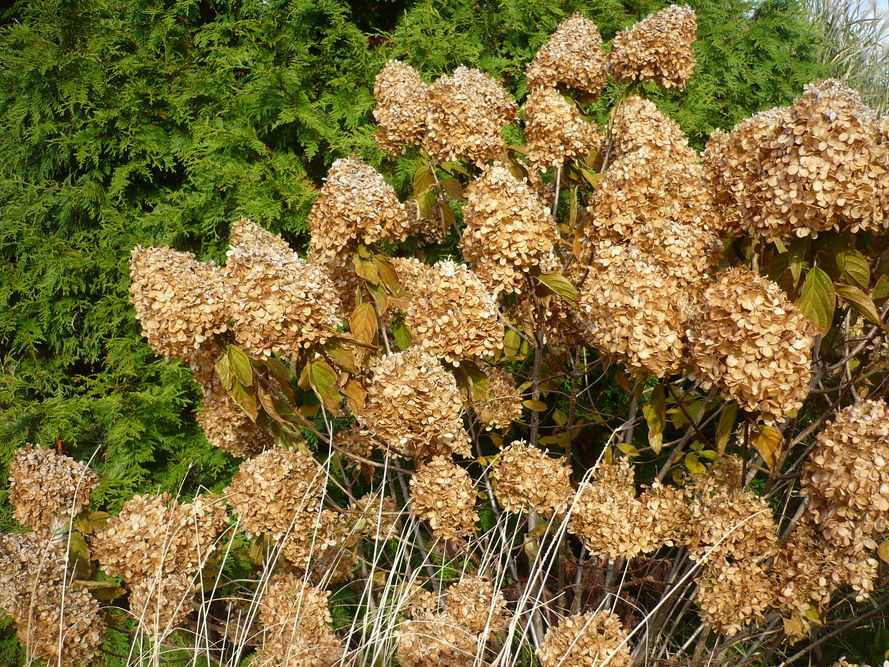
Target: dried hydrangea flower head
x,y
665,511
731,596
637,311
467,110
155,535
162,603
180,302
638,124
281,303
474,603
658,48
277,492
401,107
436,641
317,546
751,342
572,57
509,229
44,485
847,477
227,426
355,205
442,494
686,252
586,640
451,315
500,404
413,405
56,618
340,271
529,479
555,130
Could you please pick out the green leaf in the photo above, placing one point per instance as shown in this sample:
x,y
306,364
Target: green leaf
x,y
401,334
694,465
224,372
559,284
796,257
246,399
854,268
511,343
424,178
860,301
324,381
341,355
655,412
282,375
452,188
881,289
387,273
240,364
725,425
817,300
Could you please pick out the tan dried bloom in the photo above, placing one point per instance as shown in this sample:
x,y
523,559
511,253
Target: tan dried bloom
x,y
401,107
355,205
375,517
180,302
467,111
572,56
555,130
474,603
847,477
442,494
731,596
658,48
277,492
637,311
341,272
638,124
586,640
501,404
451,315
415,600
686,252
529,479
155,535
413,406
319,545
227,426
509,229
751,342
44,485
665,509
161,604
436,641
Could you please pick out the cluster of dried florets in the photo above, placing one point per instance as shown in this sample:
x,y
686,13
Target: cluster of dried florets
x,y
658,48
571,57
555,130
436,641
731,595
753,344
474,603
586,640
401,107
529,479
442,494
501,403
225,424
638,125
685,251
509,229
413,406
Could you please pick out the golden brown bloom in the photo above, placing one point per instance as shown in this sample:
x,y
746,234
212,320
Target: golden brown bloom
x,y
751,342
225,424
401,107
555,130
474,603
658,48
442,494
529,479
638,124
319,545
44,485
509,229
572,56
733,595
501,404
685,251
467,110
162,603
586,640
436,641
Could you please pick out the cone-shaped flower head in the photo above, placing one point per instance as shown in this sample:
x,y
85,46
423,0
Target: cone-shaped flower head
x,y
555,131
529,479
499,404
442,494
401,107
586,640
436,641
731,596
572,57
474,603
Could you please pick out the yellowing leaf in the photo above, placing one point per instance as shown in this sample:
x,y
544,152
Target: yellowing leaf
x,y
854,268
628,449
860,301
363,323
224,372
240,364
424,178
355,395
767,441
725,425
323,379
656,417
883,551
694,465
536,406
817,300
881,289
511,343
559,284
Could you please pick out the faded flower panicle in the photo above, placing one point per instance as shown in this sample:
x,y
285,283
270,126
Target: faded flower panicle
x,y
180,302
474,603
509,229
467,110
572,57
529,479
637,311
451,315
413,406
442,494
44,485
161,604
847,477
638,124
586,640
401,107
665,511
436,641
685,252
341,272
751,342
731,596
227,426
375,517
355,205
281,303
501,404
555,130
277,492
56,618
658,48
317,546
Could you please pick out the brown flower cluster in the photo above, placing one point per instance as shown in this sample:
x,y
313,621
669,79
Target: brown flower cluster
x,y
686,252
225,424
180,302
474,603
442,494
281,303
355,205
451,315
731,596
401,107
529,479
572,57
501,403
467,110
162,603
44,485
509,229
413,405
658,48
586,640
317,545
638,124
436,641
56,618
752,343
555,130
